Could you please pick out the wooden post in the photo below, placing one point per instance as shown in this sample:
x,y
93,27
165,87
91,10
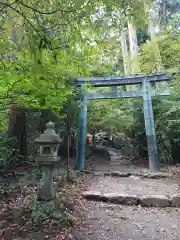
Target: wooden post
x,y
82,135
150,128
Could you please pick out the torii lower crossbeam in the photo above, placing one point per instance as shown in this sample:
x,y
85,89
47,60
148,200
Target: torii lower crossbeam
x,y
146,93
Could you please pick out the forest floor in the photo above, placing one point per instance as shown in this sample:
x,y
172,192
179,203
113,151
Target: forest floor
x,y
18,192
90,220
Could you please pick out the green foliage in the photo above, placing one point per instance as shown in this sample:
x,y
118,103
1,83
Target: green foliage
x,y
110,114
166,110
56,210
6,154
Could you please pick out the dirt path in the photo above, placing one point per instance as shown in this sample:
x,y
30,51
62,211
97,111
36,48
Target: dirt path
x,y
113,222
116,222
107,221
135,185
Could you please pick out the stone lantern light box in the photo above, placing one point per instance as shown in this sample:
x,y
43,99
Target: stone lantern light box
x,y
49,143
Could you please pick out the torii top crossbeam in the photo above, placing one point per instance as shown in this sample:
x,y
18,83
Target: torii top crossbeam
x,y
123,80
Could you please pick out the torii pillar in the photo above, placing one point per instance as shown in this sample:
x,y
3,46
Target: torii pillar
x,y
82,135
150,128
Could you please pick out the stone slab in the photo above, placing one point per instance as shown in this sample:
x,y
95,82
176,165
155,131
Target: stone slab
x,y
92,195
126,199
130,200
116,174
112,197
119,198
175,201
155,201
159,175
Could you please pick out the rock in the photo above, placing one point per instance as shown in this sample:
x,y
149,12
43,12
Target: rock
x,y
120,198
175,201
155,201
92,195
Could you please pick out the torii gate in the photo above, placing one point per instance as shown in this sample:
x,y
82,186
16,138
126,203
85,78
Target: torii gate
x,y
146,92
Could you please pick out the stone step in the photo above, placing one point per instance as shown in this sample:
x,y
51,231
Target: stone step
x,y
156,175
160,201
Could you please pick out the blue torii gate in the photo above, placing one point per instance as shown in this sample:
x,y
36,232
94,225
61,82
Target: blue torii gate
x,y
146,92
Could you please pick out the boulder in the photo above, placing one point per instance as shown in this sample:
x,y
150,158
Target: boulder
x,y
155,201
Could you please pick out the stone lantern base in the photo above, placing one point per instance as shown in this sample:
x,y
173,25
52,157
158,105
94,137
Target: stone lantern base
x,y
46,189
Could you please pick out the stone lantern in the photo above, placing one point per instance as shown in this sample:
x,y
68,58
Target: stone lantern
x,y
49,143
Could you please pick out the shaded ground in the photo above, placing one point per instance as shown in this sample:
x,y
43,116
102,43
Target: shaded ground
x,y
113,222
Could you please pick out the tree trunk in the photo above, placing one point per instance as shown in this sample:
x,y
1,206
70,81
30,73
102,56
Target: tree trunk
x,y
94,138
17,130
134,50
125,54
152,32
157,55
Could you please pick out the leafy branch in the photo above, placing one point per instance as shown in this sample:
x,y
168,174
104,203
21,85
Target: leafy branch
x,y
34,9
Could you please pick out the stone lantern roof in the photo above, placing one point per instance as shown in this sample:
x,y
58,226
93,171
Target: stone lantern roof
x,y
49,136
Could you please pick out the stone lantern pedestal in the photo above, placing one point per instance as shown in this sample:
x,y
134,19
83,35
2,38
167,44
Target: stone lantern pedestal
x,y
49,142
46,190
